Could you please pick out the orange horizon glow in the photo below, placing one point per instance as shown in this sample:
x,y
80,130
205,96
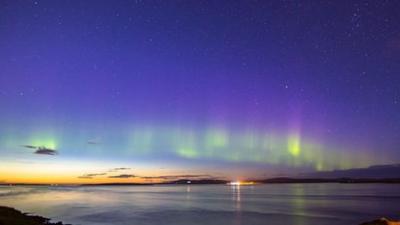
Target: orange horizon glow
x,y
77,181
69,173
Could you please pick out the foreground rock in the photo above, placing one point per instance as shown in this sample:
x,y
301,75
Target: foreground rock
x,y
382,221
10,216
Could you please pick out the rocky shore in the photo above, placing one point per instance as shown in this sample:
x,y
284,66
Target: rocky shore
x,y
10,216
382,221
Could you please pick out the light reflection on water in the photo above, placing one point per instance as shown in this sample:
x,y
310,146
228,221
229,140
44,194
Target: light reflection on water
x,y
298,204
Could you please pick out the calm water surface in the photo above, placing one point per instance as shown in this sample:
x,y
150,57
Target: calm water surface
x,y
275,204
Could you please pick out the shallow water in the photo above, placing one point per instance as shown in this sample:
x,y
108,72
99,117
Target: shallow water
x,y
275,204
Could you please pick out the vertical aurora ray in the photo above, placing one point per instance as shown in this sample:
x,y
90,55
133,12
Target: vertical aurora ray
x,y
187,146
142,140
294,145
240,146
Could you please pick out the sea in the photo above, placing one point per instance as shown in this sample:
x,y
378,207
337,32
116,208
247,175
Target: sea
x,y
274,204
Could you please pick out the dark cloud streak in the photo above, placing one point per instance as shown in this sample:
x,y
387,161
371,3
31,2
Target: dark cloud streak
x,y
41,150
91,175
124,176
118,169
46,151
30,146
184,176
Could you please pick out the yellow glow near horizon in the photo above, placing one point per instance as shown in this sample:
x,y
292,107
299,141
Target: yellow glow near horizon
x,y
294,145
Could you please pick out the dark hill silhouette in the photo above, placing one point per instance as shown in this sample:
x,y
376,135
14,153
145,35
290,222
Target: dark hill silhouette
x,y
372,172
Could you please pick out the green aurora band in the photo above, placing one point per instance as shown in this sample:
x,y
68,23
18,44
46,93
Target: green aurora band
x,y
270,148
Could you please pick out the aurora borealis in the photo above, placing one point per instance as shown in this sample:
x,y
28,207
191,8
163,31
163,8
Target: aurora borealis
x,y
228,89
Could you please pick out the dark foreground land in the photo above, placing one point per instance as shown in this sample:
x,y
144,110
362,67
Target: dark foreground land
x,y
10,216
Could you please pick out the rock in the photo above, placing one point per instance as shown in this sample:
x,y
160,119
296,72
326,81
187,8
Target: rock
x,y
382,221
10,216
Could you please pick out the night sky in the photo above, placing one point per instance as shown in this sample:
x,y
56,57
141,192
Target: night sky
x,y
234,89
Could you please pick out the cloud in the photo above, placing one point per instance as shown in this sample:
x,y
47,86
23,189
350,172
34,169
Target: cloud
x,y
95,141
113,170
91,175
123,176
119,169
29,146
95,174
185,176
40,150
45,151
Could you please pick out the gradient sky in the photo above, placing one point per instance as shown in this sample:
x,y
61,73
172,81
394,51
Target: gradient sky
x,y
234,89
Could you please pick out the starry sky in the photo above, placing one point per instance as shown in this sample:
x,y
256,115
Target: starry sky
x,y
139,90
